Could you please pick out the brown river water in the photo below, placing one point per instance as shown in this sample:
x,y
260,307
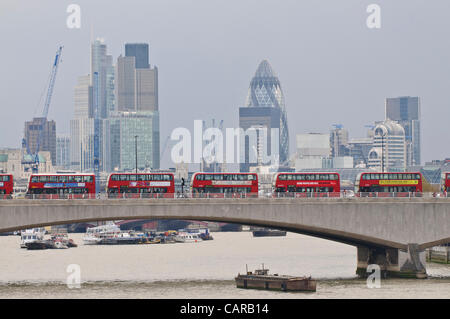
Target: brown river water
x,y
199,270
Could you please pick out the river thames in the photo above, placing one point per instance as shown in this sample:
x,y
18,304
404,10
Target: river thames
x,y
199,270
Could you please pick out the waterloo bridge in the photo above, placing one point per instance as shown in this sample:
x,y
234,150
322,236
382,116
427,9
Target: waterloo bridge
x,y
390,232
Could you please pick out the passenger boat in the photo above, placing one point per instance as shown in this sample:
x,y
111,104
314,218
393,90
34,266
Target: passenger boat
x,y
203,232
261,279
94,235
183,237
30,235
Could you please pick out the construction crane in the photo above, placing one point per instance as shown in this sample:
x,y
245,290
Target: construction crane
x,y
35,156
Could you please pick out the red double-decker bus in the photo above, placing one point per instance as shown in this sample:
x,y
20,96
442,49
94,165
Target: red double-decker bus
x,y
52,186
6,186
132,185
307,184
388,183
446,183
224,185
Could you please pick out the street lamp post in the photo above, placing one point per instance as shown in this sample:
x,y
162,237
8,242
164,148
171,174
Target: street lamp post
x,y
135,152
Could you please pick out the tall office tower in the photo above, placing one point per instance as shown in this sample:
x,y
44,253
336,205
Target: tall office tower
x,y
83,98
125,84
129,132
406,111
389,147
101,63
136,81
339,141
46,136
63,151
265,108
82,129
140,52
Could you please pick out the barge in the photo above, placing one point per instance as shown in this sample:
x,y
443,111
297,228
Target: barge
x,y
268,233
261,279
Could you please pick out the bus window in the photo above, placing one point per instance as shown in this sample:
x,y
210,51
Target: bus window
x,y
34,179
78,179
62,179
88,179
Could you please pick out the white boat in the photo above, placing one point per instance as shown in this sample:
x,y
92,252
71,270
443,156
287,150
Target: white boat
x,y
187,238
95,234
31,235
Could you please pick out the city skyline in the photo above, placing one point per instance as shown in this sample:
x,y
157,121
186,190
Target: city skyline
x,y
354,100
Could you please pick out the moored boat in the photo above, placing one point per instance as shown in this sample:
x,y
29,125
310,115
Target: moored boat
x,y
268,233
40,244
261,279
183,237
30,235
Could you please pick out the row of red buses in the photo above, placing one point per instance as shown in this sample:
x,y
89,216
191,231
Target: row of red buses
x,y
55,185
445,182
389,183
6,185
141,183
224,184
227,184
302,183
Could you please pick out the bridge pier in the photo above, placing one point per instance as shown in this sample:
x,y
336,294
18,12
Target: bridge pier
x,y
393,262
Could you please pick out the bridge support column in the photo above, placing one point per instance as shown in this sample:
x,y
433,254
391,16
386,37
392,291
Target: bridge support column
x,y
393,262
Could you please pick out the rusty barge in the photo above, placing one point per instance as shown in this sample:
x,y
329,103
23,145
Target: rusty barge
x,y
261,279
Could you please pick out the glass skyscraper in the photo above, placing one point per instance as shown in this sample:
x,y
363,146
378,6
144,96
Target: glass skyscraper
x,y
123,129
406,111
264,107
140,52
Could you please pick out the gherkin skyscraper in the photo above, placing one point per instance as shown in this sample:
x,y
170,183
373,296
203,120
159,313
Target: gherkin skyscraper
x,y
265,106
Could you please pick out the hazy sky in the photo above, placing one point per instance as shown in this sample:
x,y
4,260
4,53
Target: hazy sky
x,y
332,68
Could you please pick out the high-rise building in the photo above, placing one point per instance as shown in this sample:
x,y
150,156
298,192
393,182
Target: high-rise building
x,y
63,151
140,52
358,149
125,84
41,131
339,141
136,81
101,63
265,108
82,133
406,111
83,98
389,147
125,129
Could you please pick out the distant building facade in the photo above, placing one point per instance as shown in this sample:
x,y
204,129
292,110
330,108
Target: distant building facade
x,y
41,131
406,111
339,141
122,128
63,151
136,81
314,152
389,147
264,108
101,64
